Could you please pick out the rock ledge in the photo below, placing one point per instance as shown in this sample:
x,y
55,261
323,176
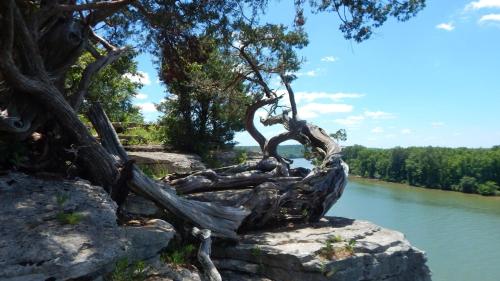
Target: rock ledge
x,y
293,253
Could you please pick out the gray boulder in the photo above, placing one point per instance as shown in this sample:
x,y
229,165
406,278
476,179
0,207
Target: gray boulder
x,y
60,230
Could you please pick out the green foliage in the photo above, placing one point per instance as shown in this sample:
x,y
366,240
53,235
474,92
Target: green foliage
x,y
124,272
205,106
178,255
467,185
110,87
459,169
340,135
71,218
488,188
144,135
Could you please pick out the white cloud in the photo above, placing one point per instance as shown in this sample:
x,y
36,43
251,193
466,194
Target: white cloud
x,y
312,96
350,120
147,107
406,131
490,18
379,115
141,96
141,77
329,59
437,124
312,110
483,4
310,73
377,130
446,26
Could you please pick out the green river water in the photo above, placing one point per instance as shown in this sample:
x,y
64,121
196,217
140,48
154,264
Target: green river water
x,y
459,232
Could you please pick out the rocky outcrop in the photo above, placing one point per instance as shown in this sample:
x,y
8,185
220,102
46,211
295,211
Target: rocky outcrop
x,y
60,230
168,162
54,229
333,249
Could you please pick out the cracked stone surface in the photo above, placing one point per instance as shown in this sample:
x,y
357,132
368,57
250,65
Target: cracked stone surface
x,y
293,253
35,244
170,162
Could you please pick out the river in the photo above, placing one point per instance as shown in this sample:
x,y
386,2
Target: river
x,y
459,232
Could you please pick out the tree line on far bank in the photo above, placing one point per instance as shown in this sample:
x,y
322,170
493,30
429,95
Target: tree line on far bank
x,y
459,169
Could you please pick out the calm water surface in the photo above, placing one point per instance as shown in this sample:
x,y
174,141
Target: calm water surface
x,y
459,232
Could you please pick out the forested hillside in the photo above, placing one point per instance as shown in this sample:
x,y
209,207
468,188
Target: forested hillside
x,y
460,169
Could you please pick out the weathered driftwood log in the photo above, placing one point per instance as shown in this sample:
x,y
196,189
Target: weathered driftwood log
x,y
271,197
222,220
278,199
204,251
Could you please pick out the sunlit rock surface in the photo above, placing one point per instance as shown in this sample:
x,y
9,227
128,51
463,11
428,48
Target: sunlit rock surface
x,y
364,251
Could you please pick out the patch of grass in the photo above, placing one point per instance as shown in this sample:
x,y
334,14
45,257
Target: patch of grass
x,y
335,239
124,272
178,255
69,218
157,172
350,246
329,251
241,157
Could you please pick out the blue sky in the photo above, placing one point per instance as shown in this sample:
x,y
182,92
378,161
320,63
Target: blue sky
x,y
433,80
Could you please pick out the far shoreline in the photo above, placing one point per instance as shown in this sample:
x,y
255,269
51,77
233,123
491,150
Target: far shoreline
x,y
357,178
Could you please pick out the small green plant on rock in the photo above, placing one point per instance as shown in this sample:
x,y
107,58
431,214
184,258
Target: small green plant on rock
x,y
329,251
178,255
124,272
241,157
350,246
71,218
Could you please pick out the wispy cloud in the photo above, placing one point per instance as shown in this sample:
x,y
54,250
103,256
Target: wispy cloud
x,y
377,130
141,77
379,115
312,96
141,96
483,4
147,107
446,26
350,121
310,73
406,131
437,124
329,59
490,18
312,110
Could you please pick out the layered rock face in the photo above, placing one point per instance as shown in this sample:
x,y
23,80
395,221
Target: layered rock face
x,y
333,249
61,230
